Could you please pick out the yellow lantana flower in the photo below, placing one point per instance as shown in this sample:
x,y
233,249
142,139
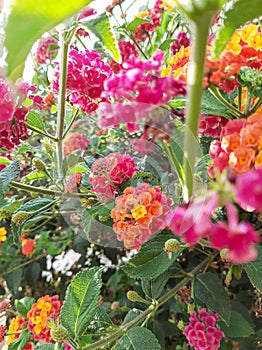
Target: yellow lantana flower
x,y
3,234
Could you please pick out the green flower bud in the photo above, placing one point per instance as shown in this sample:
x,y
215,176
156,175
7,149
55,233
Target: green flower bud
x,y
20,217
103,218
48,148
172,245
181,325
58,333
133,296
39,164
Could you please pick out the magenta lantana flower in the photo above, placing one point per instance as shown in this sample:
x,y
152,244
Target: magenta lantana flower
x,y
109,172
237,237
202,332
249,189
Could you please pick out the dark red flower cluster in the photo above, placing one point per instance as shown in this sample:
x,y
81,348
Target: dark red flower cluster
x,y
85,79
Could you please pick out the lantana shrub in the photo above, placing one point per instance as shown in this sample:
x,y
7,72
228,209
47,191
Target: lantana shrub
x,y
131,175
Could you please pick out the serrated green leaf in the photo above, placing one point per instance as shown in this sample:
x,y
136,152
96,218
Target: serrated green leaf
x,y
101,28
101,321
237,13
210,105
138,338
254,270
13,279
154,287
45,347
32,272
27,22
36,204
23,306
152,260
7,175
238,327
34,175
209,290
137,22
131,315
21,342
34,120
81,301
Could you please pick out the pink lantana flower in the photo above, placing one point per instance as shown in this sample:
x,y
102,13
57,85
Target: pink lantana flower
x,y
109,172
194,222
249,190
202,332
237,237
75,141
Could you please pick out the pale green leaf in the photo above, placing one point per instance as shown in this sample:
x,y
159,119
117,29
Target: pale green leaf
x,y
34,120
138,338
152,260
81,302
23,306
236,14
7,175
21,342
28,21
101,28
254,270
210,291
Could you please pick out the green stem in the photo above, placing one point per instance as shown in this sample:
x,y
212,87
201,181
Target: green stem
x,y
71,123
22,265
239,97
195,90
61,106
248,102
151,309
34,189
256,106
233,110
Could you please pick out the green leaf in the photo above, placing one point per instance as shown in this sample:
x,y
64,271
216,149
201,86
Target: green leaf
x,y
45,347
138,338
165,44
32,272
152,260
13,279
133,313
23,306
254,270
4,160
136,23
101,28
209,290
236,14
21,342
154,287
27,22
81,301
36,204
7,175
35,121
238,327
210,105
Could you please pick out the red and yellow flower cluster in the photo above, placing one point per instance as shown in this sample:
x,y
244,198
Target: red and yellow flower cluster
x,y
243,50
139,212
45,308
240,147
16,326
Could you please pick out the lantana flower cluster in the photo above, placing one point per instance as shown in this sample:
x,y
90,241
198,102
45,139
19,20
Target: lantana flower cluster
x,y
108,173
194,222
139,213
45,52
240,146
45,308
13,115
202,332
243,50
138,82
75,141
85,79
15,327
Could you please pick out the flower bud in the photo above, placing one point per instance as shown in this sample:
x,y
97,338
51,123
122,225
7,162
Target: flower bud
x,y
39,164
58,333
133,296
20,217
103,218
172,245
48,148
181,325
